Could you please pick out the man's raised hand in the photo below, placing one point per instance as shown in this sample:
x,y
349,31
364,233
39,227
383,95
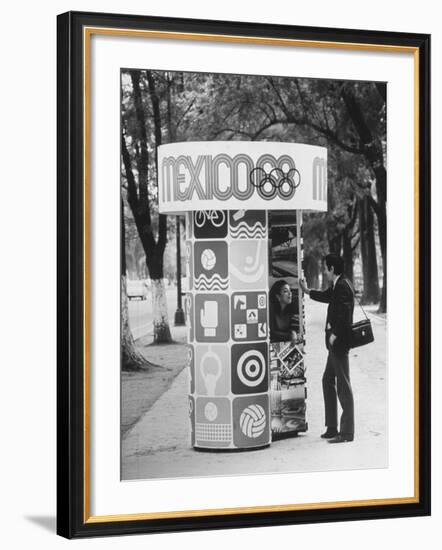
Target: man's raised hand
x,y
303,286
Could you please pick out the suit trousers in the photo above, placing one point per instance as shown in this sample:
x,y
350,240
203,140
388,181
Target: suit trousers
x,y
336,385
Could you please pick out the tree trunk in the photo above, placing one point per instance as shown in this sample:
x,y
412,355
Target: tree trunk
x,y
325,281
347,254
139,203
131,358
161,328
335,245
370,274
311,271
382,224
374,155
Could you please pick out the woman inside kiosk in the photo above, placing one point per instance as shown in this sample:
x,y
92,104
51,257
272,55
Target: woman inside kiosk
x,y
284,318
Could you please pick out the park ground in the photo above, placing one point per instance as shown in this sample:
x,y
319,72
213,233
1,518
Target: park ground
x,y
155,422
140,389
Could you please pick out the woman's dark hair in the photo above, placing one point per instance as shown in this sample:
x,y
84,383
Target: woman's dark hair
x,y
275,291
335,261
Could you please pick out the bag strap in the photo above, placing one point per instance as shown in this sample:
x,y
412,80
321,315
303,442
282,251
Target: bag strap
x,y
356,298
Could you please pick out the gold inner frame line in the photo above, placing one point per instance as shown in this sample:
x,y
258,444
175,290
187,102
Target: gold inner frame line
x,y
87,34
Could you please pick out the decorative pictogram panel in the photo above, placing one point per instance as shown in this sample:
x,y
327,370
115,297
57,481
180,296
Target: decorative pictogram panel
x,y
188,308
213,422
189,225
210,224
212,372
251,421
191,365
248,264
192,420
249,368
248,224
189,264
234,257
249,316
212,318
211,265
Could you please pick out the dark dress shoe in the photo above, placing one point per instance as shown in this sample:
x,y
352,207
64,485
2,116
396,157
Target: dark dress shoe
x,y
329,433
341,438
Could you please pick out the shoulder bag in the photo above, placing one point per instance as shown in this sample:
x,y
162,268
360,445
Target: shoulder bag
x,y
361,332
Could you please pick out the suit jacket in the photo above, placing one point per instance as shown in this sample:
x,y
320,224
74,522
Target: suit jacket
x,y
340,300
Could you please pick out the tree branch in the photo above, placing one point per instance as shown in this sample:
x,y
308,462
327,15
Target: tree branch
x,y
233,132
354,246
184,114
303,122
376,207
140,208
278,95
132,194
382,90
142,156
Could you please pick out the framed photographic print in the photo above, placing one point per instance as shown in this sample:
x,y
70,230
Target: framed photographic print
x,y
230,196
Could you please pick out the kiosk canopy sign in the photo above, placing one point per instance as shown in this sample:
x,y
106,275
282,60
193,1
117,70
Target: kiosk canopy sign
x,y
237,175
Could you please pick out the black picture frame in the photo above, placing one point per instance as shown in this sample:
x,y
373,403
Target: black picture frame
x,y
73,516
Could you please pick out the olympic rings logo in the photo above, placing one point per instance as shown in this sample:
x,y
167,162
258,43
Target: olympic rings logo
x,y
276,182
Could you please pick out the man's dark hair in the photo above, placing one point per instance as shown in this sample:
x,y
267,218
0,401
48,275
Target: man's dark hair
x,y
335,261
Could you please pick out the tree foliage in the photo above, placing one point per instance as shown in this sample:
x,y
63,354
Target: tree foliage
x,y
348,117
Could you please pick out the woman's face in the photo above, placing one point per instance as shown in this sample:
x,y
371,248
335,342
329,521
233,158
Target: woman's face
x,y
285,295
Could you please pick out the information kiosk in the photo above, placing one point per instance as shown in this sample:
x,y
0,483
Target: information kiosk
x,y
243,204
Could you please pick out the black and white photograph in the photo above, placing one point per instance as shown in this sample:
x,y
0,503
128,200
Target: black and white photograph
x,y
254,259
204,347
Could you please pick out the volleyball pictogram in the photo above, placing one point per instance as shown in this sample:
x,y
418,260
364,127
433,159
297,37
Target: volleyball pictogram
x,y
253,421
208,259
213,422
211,265
210,411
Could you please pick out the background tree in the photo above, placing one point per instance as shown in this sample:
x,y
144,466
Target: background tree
x,y
349,118
131,358
137,169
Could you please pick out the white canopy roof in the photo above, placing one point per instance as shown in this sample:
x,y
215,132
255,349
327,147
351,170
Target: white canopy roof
x,y
233,175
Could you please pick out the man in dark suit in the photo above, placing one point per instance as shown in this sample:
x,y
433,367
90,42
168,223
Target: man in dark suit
x,y
336,378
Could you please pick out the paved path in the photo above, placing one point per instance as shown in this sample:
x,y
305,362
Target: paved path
x,y
158,445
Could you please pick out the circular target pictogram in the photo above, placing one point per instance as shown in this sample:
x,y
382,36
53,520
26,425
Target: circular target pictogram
x,y
251,368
